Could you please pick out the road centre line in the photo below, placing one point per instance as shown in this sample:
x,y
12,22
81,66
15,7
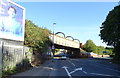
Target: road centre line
x,y
72,63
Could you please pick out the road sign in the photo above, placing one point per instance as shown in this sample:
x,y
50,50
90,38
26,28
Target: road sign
x,y
104,52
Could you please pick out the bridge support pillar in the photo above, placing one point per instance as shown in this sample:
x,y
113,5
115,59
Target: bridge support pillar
x,y
74,53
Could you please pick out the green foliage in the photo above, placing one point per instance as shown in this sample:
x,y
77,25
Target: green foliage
x,y
110,31
117,53
57,50
9,71
26,63
89,46
109,50
100,50
36,37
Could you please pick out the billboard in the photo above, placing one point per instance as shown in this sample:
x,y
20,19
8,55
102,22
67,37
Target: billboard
x,y
12,20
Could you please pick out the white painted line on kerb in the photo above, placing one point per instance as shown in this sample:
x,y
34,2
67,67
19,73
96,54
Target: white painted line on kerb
x,y
72,63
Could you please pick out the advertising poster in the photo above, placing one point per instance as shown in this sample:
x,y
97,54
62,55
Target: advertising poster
x,y
12,20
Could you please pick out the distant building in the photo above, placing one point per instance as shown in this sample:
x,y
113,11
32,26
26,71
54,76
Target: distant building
x,y
81,45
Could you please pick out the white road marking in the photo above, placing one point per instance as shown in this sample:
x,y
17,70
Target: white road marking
x,y
101,74
72,63
85,72
67,71
72,71
75,70
78,69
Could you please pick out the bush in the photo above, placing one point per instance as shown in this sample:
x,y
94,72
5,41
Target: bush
x,y
9,71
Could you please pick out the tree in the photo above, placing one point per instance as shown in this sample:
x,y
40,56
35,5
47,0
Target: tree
x,y
108,50
36,37
110,31
89,46
100,50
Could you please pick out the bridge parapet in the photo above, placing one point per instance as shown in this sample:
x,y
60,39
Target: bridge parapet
x,y
63,41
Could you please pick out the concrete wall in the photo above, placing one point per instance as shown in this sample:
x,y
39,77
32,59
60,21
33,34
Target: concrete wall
x,y
12,53
0,59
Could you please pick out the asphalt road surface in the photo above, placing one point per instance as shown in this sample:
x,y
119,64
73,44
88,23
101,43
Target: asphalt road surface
x,y
72,68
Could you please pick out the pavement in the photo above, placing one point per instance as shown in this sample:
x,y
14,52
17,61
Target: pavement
x,y
104,58
42,70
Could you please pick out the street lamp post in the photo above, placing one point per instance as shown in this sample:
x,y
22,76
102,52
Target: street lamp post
x,y
53,48
53,29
